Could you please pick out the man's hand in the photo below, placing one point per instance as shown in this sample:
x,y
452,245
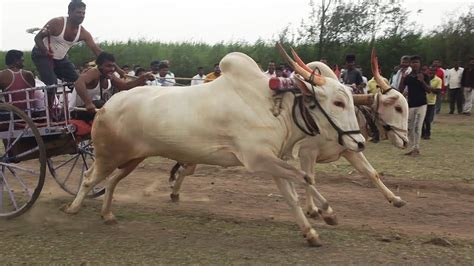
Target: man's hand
x,y
90,107
147,76
404,73
420,77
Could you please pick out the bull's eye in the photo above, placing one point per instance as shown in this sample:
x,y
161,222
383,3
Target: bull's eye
x,y
398,109
339,104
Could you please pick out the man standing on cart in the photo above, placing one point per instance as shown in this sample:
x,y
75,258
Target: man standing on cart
x,y
54,41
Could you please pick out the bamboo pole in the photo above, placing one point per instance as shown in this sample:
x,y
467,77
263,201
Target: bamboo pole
x,y
179,78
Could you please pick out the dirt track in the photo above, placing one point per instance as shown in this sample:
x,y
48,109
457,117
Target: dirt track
x,y
231,216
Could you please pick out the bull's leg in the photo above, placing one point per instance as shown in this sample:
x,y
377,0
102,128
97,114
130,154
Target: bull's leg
x,y
360,163
173,172
187,169
172,179
92,177
291,198
307,159
269,165
124,170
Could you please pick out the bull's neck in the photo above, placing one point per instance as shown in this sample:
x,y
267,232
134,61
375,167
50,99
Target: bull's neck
x,y
294,134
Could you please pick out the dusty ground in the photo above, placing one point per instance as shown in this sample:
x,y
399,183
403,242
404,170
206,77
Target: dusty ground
x,y
231,216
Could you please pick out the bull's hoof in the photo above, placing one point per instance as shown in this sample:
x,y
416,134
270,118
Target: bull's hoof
x,y
111,222
313,214
174,197
331,220
398,202
66,208
314,242
313,238
109,219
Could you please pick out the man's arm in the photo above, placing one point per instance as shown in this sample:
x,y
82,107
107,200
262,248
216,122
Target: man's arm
x,y
81,87
140,81
87,38
463,78
51,28
401,86
4,81
437,87
423,78
29,78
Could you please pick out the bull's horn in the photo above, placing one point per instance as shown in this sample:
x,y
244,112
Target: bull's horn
x,y
375,71
363,99
298,69
317,79
299,61
286,56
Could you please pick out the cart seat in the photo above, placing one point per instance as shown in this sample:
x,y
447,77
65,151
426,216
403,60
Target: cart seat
x,y
82,127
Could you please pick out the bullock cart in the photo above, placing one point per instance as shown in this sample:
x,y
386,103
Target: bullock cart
x,y
37,136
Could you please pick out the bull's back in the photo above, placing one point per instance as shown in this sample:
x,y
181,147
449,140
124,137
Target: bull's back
x,y
192,124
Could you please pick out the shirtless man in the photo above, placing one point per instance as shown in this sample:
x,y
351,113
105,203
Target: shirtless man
x,y
15,78
91,85
54,41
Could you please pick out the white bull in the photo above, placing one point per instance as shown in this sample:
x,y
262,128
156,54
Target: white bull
x,y
227,122
391,117
391,110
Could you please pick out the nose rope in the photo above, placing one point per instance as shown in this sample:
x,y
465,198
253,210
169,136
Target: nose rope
x,y
339,131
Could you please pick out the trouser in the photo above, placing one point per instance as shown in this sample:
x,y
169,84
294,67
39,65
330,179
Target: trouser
x,y
455,97
416,116
430,113
467,99
50,70
86,116
439,101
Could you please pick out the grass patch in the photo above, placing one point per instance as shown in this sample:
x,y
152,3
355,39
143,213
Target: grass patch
x,y
446,156
175,237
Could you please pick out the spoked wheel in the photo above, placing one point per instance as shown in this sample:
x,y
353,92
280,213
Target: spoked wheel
x,y
22,162
69,170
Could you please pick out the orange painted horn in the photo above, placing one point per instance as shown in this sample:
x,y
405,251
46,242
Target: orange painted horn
x,y
316,80
299,61
376,72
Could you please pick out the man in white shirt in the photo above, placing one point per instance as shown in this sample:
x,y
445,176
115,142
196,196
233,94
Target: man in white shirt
x,y
164,77
166,61
404,70
271,70
199,78
454,84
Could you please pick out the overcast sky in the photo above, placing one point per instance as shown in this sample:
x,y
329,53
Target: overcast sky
x,y
209,21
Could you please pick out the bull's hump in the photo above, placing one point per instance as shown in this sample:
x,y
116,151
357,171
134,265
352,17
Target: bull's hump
x,y
240,66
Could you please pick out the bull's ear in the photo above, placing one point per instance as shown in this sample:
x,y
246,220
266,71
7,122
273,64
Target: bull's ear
x,y
390,100
301,85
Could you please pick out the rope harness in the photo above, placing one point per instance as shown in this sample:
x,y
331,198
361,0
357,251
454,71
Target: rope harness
x,y
339,131
386,126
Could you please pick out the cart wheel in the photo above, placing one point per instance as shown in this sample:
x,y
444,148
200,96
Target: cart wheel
x,y
22,162
68,170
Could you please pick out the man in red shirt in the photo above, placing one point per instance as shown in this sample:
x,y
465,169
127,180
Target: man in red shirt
x,y
440,73
14,78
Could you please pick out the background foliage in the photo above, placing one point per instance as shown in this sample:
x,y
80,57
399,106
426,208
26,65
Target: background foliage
x,y
333,29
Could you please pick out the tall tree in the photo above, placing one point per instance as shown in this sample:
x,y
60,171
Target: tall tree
x,y
336,22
